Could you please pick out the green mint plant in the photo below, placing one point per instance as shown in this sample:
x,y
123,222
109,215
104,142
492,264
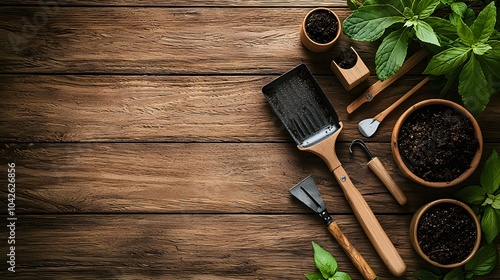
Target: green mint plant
x,y
399,22
466,48
327,266
485,199
473,58
483,262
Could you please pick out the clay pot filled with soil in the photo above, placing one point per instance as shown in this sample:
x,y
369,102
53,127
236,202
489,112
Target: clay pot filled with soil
x,y
320,29
349,68
437,143
446,233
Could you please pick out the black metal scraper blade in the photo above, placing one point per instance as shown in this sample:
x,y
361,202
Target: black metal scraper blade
x,y
307,192
302,107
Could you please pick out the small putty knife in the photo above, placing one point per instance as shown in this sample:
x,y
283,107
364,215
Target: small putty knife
x,y
378,168
368,127
307,192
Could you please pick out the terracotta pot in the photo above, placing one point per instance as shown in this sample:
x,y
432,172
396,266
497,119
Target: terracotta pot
x,y
414,225
312,45
349,78
400,162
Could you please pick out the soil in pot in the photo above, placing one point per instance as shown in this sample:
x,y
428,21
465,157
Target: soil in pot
x,y
347,59
446,233
437,143
321,26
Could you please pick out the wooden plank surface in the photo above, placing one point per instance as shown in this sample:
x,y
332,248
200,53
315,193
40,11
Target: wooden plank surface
x,y
145,149
65,108
184,247
194,178
161,41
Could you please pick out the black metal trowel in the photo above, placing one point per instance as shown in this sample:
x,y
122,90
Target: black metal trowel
x,y
307,192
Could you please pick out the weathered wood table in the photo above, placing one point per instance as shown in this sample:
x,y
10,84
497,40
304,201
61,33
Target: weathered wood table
x,y
144,148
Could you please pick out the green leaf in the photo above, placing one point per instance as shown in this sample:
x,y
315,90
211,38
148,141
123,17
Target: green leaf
x,y
425,33
481,48
425,8
484,25
368,23
324,261
464,32
442,26
490,223
314,276
397,4
472,195
472,86
424,274
446,61
408,13
352,4
391,53
484,261
491,58
341,276
490,175
459,8
455,274
496,202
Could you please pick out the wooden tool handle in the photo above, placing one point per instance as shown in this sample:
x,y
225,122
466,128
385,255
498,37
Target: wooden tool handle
x,y
381,116
370,224
379,86
379,239
353,254
376,166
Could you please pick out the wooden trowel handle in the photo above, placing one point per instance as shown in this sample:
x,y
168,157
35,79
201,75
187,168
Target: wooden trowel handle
x,y
370,224
353,254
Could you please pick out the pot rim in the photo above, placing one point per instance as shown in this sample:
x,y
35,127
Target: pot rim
x,y
416,219
407,172
339,28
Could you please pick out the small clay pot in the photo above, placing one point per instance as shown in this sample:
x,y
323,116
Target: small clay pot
x,y
402,163
352,76
415,242
310,43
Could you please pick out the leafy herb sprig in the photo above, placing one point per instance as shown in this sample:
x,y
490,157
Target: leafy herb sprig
x,y
473,58
467,48
485,199
327,266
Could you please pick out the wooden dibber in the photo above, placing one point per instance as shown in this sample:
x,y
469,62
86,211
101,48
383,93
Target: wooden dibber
x,y
378,168
349,78
379,86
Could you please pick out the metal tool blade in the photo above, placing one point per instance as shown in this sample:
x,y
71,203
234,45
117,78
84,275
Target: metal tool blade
x,y
301,105
368,127
307,192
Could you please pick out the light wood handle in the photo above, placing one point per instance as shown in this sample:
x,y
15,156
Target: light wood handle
x,y
379,239
378,168
353,254
381,116
379,86
370,224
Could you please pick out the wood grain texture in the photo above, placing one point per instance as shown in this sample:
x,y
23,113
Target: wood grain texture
x,y
175,3
192,246
162,41
181,109
195,178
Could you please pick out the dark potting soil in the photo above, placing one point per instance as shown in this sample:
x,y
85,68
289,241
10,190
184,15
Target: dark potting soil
x,y
446,233
347,59
321,26
437,143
